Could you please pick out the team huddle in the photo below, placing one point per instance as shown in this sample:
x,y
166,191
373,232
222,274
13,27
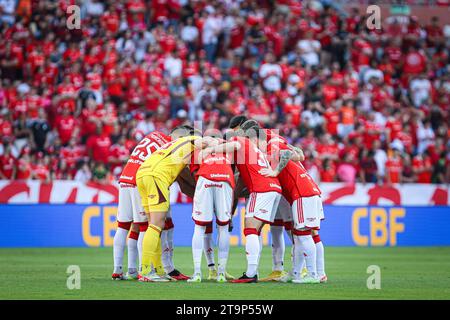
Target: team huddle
x,y
248,162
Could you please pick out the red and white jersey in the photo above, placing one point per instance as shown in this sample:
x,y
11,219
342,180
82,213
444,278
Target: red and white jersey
x,y
249,160
216,167
149,144
294,178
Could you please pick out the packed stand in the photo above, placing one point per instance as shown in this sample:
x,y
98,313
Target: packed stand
x,y
365,105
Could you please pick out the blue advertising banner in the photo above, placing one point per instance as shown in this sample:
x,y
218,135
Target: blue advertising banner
x,y
94,226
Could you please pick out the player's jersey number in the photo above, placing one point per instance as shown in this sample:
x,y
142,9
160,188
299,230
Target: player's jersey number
x,y
144,149
261,159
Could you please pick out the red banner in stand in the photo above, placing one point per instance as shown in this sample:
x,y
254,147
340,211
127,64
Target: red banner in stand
x,y
65,192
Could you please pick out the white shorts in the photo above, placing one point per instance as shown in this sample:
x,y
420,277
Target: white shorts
x,y
212,198
130,205
262,206
284,212
307,213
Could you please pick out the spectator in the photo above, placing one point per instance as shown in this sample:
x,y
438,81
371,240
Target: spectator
x,y
100,173
270,73
7,161
189,34
98,145
177,96
380,157
394,167
83,173
40,128
425,136
346,170
23,166
309,49
422,168
146,125
368,167
173,65
420,90
7,8
329,85
210,33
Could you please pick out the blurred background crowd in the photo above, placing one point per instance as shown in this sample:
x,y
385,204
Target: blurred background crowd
x,y
365,105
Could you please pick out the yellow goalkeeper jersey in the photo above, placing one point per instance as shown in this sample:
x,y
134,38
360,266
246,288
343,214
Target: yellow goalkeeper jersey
x,y
167,162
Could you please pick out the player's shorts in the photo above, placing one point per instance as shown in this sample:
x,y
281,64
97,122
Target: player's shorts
x,y
307,213
154,194
284,213
212,197
262,206
130,204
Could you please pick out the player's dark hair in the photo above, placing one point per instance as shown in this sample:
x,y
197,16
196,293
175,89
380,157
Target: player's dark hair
x,y
256,132
186,129
237,121
250,124
228,135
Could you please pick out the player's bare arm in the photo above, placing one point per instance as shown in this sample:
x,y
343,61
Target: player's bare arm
x,y
239,191
298,154
186,182
220,148
285,156
205,142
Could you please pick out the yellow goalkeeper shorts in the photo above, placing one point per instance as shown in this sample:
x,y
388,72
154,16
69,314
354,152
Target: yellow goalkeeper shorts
x,y
154,194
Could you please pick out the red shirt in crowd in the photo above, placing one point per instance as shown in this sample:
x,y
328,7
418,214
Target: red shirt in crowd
x,y
23,169
99,147
424,168
65,125
7,164
394,168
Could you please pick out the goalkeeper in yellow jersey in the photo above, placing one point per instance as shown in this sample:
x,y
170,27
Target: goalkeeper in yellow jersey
x,y
153,180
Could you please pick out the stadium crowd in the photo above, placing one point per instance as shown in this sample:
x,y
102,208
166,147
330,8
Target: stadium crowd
x,y
365,105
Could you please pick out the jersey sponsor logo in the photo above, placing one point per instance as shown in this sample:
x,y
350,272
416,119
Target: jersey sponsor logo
x,y
151,196
213,185
127,185
219,175
263,210
220,159
197,212
122,177
134,161
311,219
273,185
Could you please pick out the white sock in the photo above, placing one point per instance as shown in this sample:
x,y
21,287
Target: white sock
x,y
170,246
278,247
120,239
224,247
197,247
308,250
208,247
252,248
298,259
165,252
261,247
320,255
303,264
139,248
132,255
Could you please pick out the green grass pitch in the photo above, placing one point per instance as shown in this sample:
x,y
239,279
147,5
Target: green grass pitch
x,y
406,273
